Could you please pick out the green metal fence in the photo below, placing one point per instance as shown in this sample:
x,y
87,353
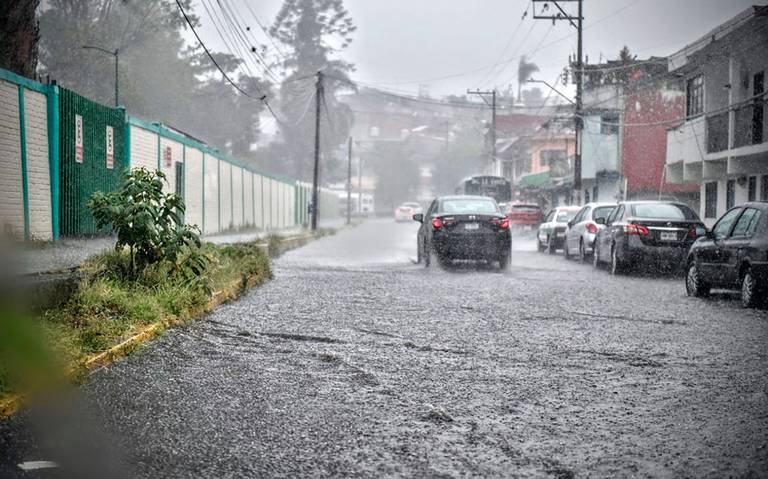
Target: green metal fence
x,y
90,160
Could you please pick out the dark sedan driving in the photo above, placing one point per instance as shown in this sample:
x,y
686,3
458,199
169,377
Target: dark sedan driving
x,y
647,233
466,228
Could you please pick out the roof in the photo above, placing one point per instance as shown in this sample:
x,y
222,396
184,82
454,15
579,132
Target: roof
x,y
534,179
464,197
680,58
518,123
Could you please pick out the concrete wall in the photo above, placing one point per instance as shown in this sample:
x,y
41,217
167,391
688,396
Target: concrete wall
x,y
193,189
11,199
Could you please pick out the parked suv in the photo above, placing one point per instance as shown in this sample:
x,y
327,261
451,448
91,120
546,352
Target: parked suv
x,y
734,255
647,232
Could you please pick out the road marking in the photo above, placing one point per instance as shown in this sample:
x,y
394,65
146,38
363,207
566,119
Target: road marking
x,y
33,465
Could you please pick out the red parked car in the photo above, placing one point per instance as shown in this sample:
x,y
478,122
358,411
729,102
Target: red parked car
x,y
524,216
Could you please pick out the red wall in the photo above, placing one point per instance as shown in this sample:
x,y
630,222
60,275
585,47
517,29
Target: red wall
x,y
644,149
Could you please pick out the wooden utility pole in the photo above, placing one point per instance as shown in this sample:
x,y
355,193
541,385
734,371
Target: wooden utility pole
x,y
492,104
555,14
316,171
349,179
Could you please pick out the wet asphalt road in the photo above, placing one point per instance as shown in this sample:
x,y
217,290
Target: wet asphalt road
x,y
354,361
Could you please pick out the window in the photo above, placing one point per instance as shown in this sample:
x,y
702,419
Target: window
x,y
602,212
609,124
615,214
594,193
549,217
469,206
752,188
747,222
564,216
730,194
757,111
664,211
581,215
710,200
764,188
723,226
694,96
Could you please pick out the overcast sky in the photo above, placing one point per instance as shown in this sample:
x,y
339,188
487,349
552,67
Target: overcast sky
x,y
452,45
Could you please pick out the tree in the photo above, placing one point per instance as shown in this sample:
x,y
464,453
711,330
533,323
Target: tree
x,y
524,72
397,174
312,31
19,35
625,56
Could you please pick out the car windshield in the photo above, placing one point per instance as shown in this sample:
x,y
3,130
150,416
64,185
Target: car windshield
x,y
663,211
602,212
565,216
460,206
526,209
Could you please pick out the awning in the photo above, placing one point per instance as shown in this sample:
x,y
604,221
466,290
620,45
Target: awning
x,y
534,180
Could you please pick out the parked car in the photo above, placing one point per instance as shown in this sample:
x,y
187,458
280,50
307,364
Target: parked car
x,y
524,216
733,255
647,232
583,228
463,227
406,211
551,233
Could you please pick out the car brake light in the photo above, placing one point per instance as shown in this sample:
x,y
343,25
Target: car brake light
x,y
437,223
592,228
633,229
502,223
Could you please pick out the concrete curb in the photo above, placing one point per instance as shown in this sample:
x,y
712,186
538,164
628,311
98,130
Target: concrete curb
x,y
12,403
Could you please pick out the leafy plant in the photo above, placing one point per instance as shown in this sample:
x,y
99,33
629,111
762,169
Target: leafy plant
x,y
150,224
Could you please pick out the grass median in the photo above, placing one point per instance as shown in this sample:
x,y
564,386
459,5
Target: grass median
x,y
111,306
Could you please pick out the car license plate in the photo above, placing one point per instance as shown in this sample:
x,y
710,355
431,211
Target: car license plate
x,y
665,236
471,226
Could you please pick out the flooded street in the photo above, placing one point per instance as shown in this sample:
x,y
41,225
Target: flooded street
x,y
354,361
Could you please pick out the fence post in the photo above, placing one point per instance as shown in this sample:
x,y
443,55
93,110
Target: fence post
x,y
54,157
24,176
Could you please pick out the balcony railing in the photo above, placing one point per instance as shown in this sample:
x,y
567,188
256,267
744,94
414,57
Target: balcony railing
x,y
717,132
750,125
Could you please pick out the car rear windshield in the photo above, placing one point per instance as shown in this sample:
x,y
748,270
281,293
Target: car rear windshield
x,y
410,205
469,206
526,209
664,211
602,212
565,216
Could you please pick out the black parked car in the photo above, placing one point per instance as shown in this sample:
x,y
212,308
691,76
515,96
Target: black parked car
x,y
463,227
734,255
646,232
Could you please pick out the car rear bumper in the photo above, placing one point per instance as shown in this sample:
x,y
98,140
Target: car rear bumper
x,y
485,246
635,251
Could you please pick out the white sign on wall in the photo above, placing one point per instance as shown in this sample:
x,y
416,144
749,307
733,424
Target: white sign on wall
x,y
78,138
110,148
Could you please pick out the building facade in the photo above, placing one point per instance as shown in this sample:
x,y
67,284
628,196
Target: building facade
x,y
721,144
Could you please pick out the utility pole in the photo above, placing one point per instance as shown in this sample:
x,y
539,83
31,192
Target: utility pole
x,y
115,54
349,179
558,13
360,184
492,104
316,171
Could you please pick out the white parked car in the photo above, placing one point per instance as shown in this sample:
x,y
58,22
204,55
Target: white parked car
x,y
406,211
551,234
583,228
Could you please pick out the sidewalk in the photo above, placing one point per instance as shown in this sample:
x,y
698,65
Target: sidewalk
x,y
69,253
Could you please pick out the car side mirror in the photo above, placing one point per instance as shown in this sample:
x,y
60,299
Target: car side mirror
x,y
418,217
600,220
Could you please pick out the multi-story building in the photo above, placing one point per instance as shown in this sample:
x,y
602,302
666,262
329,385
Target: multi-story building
x,y
721,144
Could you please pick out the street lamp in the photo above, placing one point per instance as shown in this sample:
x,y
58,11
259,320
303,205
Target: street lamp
x,y
116,54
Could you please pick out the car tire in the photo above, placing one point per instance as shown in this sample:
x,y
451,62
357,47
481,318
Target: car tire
x,y
419,258
595,257
504,261
539,245
427,255
582,252
695,285
551,245
566,253
751,290
617,265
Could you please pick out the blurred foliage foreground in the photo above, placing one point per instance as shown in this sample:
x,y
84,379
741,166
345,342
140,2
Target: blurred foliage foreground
x,y
159,272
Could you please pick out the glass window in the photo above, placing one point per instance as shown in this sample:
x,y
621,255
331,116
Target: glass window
x,y
609,124
694,96
752,188
602,212
564,216
583,213
744,224
480,206
730,194
615,214
764,188
723,226
663,211
710,200
550,216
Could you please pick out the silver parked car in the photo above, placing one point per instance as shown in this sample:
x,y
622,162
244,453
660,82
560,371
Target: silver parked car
x,y
583,228
551,233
